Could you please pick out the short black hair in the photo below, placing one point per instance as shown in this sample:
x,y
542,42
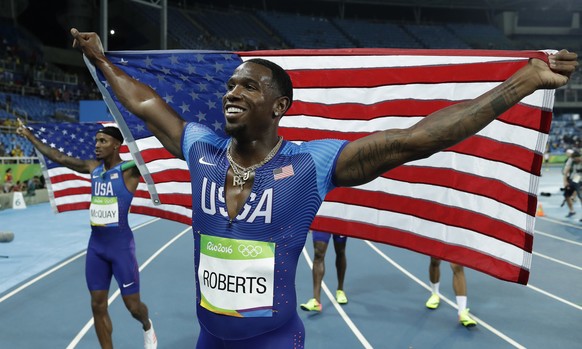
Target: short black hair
x,y
280,77
113,132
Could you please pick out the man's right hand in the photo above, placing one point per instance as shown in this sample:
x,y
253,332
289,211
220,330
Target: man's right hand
x,y
89,44
22,130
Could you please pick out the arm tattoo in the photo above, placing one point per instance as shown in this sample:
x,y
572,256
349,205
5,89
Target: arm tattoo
x,y
369,161
506,98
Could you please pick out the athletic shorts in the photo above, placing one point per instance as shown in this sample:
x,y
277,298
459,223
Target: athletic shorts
x,y
105,260
324,237
289,336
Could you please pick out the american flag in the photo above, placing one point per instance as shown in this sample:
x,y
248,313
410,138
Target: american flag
x,y
283,172
70,190
472,204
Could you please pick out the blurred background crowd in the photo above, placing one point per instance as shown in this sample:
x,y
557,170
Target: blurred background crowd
x,y
43,80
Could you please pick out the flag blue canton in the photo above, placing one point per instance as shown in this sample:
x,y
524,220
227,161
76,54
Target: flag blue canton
x,y
192,83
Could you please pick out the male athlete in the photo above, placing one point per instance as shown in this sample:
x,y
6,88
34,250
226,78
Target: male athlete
x,y
111,249
459,286
254,195
320,243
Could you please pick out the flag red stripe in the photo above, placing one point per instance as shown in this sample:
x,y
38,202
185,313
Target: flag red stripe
x,y
372,77
510,154
73,206
482,186
485,148
161,213
460,255
432,211
184,200
520,115
152,154
68,177
71,191
391,52
171,175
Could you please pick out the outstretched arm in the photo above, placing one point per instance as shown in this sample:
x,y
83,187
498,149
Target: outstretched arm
x,y
81,166
367,158
138,98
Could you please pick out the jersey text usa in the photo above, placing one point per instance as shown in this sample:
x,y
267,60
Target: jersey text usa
x,y
263,208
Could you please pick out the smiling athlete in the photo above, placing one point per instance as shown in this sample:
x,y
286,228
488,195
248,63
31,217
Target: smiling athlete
x,y
254,195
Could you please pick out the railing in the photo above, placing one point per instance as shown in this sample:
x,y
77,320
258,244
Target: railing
x,y
10,160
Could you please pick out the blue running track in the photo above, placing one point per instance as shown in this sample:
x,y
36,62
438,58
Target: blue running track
x,y
44,302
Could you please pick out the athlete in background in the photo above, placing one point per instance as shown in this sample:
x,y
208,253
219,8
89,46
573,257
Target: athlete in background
x,y
111,249
320,243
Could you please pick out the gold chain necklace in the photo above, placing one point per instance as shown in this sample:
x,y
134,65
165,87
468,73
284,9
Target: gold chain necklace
x,y
242,174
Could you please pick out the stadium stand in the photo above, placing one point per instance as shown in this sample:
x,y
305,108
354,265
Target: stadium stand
x,y
36,89
435,36
481,36
240,28
306,31
385,34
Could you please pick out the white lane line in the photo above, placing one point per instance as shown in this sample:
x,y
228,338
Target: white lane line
x,y
41,276
573,305
448,301
89,323
557,261
537,232
560,222
338,307
57,267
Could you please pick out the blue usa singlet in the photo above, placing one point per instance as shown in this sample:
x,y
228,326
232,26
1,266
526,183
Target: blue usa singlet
x,y
245,267
111,249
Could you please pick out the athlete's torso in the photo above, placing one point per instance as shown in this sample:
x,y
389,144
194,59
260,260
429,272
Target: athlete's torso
x,y
245,267
575,170
110,203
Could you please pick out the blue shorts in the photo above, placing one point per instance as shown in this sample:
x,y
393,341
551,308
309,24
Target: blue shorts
x,y
324,237
291,335
112,258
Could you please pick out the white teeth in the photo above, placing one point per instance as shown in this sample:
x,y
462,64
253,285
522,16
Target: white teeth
x,y
233,110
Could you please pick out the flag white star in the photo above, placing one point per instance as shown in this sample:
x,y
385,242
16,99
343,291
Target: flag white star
x,y
194,95
201,116
218,67
202,86
185,107
169,99
211,104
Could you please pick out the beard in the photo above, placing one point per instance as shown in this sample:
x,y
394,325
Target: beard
x,y
234,131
